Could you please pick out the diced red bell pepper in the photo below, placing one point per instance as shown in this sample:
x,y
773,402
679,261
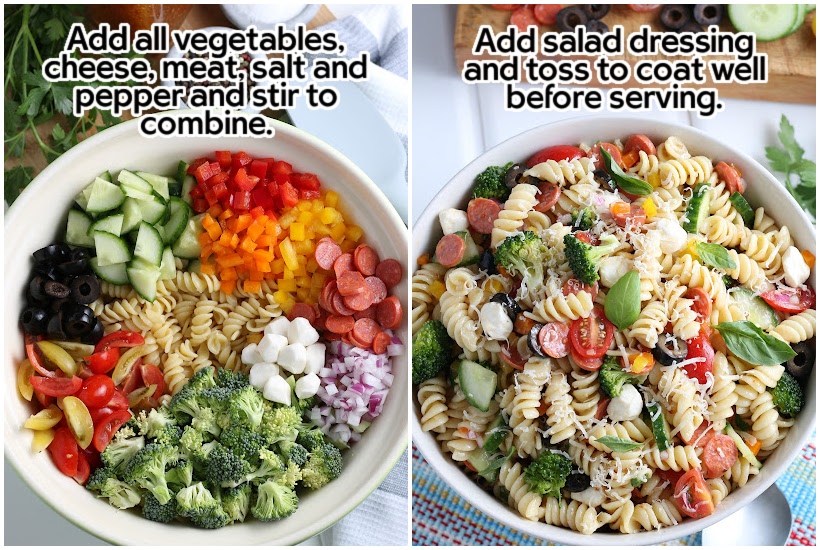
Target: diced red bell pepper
x,y
309,194
259,168
196,192
220,190
205,171
280,167
194,165
223,158
200,205
244,181
289,195
257,211
216,179
242,200
240,159
262,198
211,197
306,181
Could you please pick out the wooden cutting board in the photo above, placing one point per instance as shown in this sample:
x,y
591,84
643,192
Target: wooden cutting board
x,y
791,66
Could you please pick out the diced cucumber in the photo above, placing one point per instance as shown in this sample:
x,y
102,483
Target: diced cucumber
x,y
139,195
76,232
187,245
82,198
159,183
111,249
143,277
178,219
743,208
188,182
698,208
766,21
194,266
114,274
168,267
478,384
149,244
756,309
106,176
495,434
136,211
182,170
109,224
129,179
174,188
660,428
104,196
744,449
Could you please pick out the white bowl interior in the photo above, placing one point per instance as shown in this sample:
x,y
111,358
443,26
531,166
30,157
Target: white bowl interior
x,y
763,190
37,218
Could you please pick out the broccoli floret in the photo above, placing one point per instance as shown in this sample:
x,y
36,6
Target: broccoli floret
x,y
128,430
547,474
169,435
300,405
236,502
191,442
311,438
162,513
612,377
217,398
243,442
584,258
222,465
584,219
323,466
119,493
153,421
787,396
291,475
246,407
270,465
231,380
523,254
432,349
206,423
199,505
274,501
181,475
279,423
294,452
147,469
202,379
490,183
119,451
187,404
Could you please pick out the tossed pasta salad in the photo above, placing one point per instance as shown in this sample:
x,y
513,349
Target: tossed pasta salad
x,y
609,336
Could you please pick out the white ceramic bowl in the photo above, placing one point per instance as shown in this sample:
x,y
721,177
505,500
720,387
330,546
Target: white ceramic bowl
x,y
763,190
39,215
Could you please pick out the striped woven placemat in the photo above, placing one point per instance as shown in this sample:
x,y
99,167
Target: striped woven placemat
x,y
441,517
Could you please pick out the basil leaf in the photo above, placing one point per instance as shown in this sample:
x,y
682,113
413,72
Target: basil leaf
x,y
490,471
623,301
617,444
629,184
747,341
715,255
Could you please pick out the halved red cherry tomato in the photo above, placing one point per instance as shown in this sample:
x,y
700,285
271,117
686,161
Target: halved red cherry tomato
x,y
83,469
152,375
554,339
43,399
598,158
103,361
546,13
92,455
574,286
99,414
119,401
699,347
556,153
96,391
670,475
692,495
120,339
586,363
33,355
107,427
64,451
134,378
56,387
702,305
790,300
591,336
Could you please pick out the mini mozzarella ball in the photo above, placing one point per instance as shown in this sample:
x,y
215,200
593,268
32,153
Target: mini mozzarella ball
x,y
302,332
613,268
453,220
673,237
250,355
307,386
277,390
627,406
260,373
795,267
590,496
315,358
293,358
278,326
494,320
270,346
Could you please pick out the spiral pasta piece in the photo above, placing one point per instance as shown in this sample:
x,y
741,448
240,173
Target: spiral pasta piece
x,y
682,395
562,172
650,324
657,514
521,201
573,514
432,397
196,283
201,321
562,309
645,165
691,171
723,396
585,396
528,504
740,472
677,458
797,328
174,372
680,312
423,297
672,148
721,231
560,414
748,273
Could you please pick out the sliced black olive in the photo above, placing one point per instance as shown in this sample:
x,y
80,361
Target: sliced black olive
x,y
603,179
595,11
80,321
35,288
55,327
52,254
674,16
801,365
48,271
56,289
534,342
708,14
570,17
34,320
577,482
513,174
66,305
670,349
74,267
510,306
594,25
691,26
80,253
85,289
94,335
486,262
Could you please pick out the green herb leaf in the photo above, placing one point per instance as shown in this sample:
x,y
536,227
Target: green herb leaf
x,y
629,184
623,301
779,160
715,255
786,136
14,181
618,444
492,468
807,172
747,341
807,197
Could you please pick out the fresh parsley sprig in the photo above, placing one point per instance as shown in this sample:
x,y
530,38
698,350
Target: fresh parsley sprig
x,y
789,160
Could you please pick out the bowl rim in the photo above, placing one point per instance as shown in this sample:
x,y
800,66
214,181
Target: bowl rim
x,y
446,468
390,454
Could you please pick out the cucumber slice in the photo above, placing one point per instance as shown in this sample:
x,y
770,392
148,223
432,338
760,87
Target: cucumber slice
x,y
136,194
755,308
168,266
180,212
143,277
766,21
744,449
698,208
82,198
159,183
76,231
132,181
743,208
187,246
495,434
660,428
136,211
111,249
104,196
106,176
182,171
149,244
174,188
109,224
114,274
478,384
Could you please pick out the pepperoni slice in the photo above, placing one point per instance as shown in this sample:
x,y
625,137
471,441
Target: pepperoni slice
x,y
522,18
719,455
377,289
481,214
370,313
340,324
546,14
327,294
450,250
730,174
548,195
365,259
350,283
338,306
331,336
380,343
343,264
353,341
639,142
389,312
390,272
321,319
301,309
365,330
360,301
327,251
598,158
